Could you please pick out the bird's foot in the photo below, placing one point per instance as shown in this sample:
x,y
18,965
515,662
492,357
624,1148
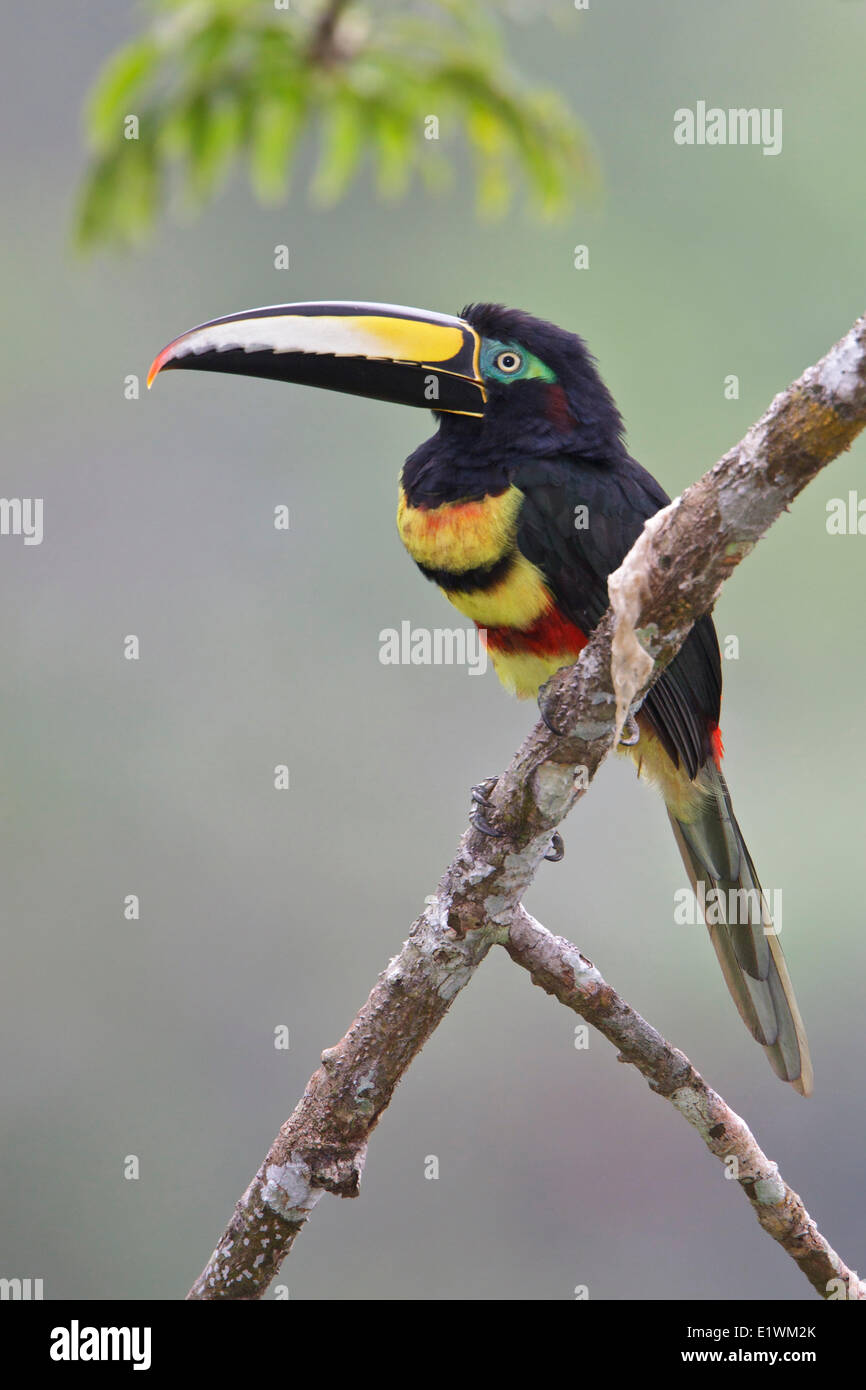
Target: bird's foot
x,y
557,848
481,799
544,703
630,733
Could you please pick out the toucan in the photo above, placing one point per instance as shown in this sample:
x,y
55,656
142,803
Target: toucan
x,y
518,508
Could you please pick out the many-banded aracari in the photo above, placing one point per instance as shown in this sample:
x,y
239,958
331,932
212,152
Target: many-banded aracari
x,y
518,508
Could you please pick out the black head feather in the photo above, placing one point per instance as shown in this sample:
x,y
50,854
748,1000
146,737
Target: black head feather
x,y
575,421
525,414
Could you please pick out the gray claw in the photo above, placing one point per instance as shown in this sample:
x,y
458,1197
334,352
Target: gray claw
x,y
557,848
542,710
481,797
630,733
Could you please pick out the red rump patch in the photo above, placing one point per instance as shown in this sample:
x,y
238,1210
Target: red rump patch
x,y
717,746
550,635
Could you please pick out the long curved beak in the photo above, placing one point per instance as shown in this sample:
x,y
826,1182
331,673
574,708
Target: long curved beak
x,y
381,350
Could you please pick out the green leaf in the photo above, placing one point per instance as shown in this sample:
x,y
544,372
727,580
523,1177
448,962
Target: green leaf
x,y
206,52
116,90
140,191
120,197
395,145
215,136
342,146
92,214
217,81
276,124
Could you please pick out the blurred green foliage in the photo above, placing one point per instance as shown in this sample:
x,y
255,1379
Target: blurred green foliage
x,y
213,82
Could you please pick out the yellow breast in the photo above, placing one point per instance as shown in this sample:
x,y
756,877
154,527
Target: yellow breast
x,y
517,600
460,536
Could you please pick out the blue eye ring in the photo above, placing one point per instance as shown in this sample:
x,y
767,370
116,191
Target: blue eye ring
x,y
508,361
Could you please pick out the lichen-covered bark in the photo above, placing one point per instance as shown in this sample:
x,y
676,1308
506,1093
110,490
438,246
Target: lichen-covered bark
x,y
322,1145
559,968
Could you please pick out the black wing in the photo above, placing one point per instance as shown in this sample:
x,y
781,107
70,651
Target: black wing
x,y
683,705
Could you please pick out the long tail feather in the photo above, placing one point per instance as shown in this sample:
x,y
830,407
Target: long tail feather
x,y
741,929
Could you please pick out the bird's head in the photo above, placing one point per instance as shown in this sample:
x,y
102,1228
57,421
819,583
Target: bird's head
x,y
506,381
543,390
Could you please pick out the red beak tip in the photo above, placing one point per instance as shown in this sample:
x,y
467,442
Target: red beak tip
x,y
155,369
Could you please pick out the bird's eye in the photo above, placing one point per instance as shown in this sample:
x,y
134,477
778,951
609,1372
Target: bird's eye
x,y
509,362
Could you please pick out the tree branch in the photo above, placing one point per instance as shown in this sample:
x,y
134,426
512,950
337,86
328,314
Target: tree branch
x,y
324,49
560,969
670,577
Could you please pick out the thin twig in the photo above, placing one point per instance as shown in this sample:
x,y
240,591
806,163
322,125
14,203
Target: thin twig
x,y
324,49
560,969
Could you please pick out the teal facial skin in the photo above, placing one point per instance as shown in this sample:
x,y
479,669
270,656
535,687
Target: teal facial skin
x,y
505,362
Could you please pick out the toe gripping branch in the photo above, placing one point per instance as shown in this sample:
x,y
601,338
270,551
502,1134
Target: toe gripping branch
x,y
481,794
630,733
478,819
545,700
481,801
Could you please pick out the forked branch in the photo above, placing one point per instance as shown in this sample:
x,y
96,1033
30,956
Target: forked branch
x,y
670,577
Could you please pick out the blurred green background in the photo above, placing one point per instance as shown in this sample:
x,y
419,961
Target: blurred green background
x,y
558,1167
